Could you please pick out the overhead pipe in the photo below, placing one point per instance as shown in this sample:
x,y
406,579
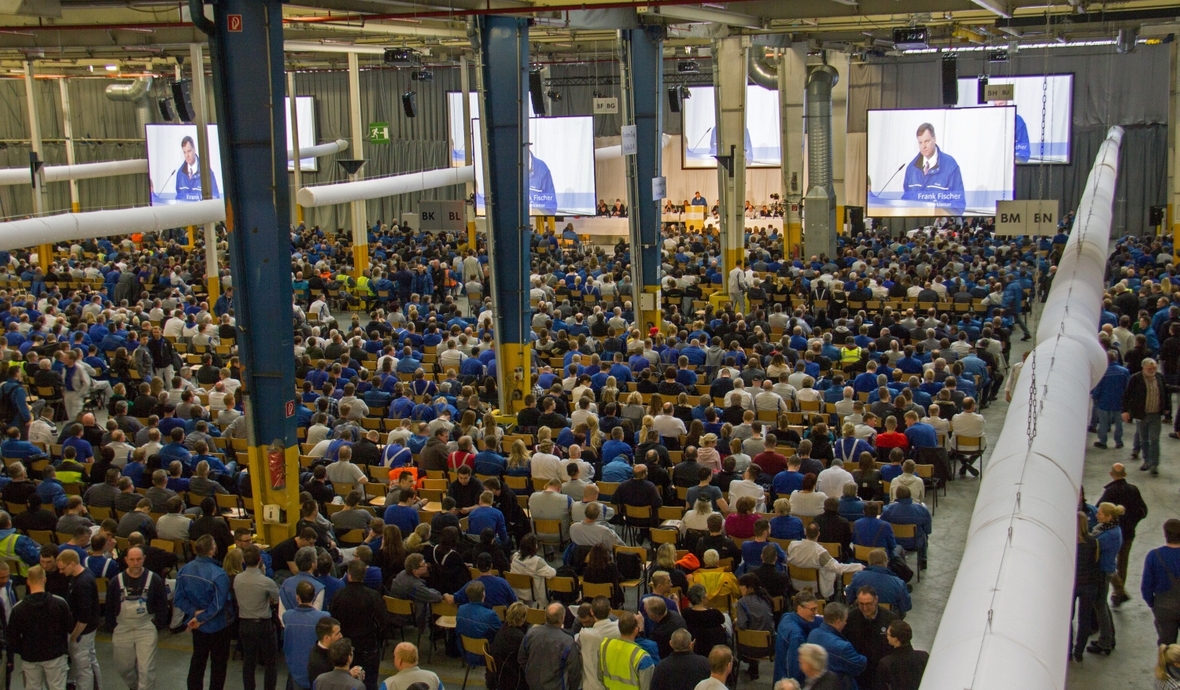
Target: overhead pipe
x,y
87,171
136,92
67,227
1006,623
348,192
761,72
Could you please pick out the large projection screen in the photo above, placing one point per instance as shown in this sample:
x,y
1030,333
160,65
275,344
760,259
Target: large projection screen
x,y
940,162
762,145
455,123
173,168
561,179
305,109
1057,90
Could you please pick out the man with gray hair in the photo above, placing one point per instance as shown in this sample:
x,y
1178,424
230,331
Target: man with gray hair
x,y
842,658
813,659
305,563
682,669
546,654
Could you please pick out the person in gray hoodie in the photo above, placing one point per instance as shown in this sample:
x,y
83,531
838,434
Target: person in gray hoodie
x,y
548,656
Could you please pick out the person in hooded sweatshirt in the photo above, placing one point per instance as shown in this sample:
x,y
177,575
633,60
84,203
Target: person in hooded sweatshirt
x,y
39,628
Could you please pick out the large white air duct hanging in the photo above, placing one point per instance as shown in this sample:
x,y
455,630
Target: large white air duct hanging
x,y
67,227
1006,623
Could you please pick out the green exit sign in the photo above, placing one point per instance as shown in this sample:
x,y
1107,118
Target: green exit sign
x,y
378,132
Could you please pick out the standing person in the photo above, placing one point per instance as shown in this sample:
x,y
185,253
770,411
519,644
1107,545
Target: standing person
x,y
623,664
682,669
202,594
1110,540
1087,578
720,664
82,597
904,667
1161,583
39,631
1144,401
843,659
301,634
14,401
136,608
341,676
256,595
361,612
813,665
547,654
866,628
7,602
1122,493
1108,400
405,660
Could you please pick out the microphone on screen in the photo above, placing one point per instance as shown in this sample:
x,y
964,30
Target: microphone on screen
x,y
899,169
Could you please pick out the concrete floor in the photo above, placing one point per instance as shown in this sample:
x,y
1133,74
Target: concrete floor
x,y
1130,665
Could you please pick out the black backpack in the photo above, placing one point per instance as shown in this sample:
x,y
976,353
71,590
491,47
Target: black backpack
x,y
567,597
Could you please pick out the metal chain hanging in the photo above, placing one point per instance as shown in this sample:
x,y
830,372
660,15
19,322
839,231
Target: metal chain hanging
x,y
1033,403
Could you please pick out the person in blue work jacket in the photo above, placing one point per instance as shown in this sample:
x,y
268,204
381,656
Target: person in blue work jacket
x,y
843,659
542,193
1108,400
1110,540
792,633
1023,150
476,620
188,177
202,594
1014,304
933,176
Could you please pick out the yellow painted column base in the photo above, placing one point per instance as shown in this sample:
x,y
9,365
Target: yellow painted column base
x,y
794,238
472,242
75,207
733,257
287,498
719,299
839,219
298,214
360,259
213,287
649,312
192,236
515,373
45,256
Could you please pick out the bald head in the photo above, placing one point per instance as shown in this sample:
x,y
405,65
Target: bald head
x,y
1118,471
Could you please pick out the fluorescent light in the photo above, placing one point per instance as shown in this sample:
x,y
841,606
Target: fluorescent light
x,y
112,68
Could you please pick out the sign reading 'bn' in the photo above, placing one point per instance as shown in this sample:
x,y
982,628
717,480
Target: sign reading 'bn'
x,y
1037,217
442,215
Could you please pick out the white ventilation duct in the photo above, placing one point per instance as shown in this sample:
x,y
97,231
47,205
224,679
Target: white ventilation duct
x,y
137,92
77,226
86,171
1006,623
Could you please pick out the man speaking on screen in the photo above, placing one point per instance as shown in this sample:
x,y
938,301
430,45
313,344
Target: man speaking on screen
x,y
188,178
934,177
542,194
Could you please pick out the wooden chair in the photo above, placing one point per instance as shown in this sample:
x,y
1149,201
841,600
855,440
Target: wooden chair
x,y
565,585
471,645
595,589
757,645
631,513
805,575
520,581
404,608
904,531
861,553
967,450
443,615
832,547
353,537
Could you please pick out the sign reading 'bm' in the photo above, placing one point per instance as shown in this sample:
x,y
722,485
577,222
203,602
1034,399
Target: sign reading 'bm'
x,y
1038,217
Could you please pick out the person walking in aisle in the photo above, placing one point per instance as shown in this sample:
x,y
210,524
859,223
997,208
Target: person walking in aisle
x,y
136,609
1110,540
1122,493
1144,401
1161,584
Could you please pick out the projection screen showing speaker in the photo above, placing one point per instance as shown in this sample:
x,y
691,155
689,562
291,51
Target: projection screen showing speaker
x,y
925,163
455,123
174,171
1057,90
699,130
561,166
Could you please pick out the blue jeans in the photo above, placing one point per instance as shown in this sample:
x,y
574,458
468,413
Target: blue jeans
x,y
1106,419
1147,437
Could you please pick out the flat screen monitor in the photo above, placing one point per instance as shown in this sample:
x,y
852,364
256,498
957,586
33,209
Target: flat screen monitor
x,y
948,162
173,165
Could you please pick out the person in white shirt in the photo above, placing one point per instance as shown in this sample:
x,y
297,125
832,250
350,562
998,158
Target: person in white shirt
x,y
585,411
807,393
451,358
845,406
720,664
231,384
545,465
909,480
173,327
769,401
748,486
941,426
809,553
740,395
667,425
832,480
42,429
968,423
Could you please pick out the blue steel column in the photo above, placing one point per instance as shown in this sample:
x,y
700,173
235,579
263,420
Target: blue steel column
x,y
643,72
248,80
504,50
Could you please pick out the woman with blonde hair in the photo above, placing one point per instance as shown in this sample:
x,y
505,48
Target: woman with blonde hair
x,y
697,519
665,560
707,455
419,539
518,460
1167,669
784,525
467,426
611,387
491,428
647,427
633,410
594,436
1110,539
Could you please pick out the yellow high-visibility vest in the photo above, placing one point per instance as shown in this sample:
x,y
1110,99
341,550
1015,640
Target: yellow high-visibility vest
x,y
619,661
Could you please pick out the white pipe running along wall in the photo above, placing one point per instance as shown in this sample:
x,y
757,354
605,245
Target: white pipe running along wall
x,y
77,226
347,192
86,171
1006,623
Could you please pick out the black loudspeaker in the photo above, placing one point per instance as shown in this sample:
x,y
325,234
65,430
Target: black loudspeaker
x,y
856,220
981,90
536,93
167,114
183,101
410,103
1156,216
950,81
674,99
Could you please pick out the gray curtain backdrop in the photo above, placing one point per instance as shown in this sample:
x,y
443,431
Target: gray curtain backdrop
x,y
1109,89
